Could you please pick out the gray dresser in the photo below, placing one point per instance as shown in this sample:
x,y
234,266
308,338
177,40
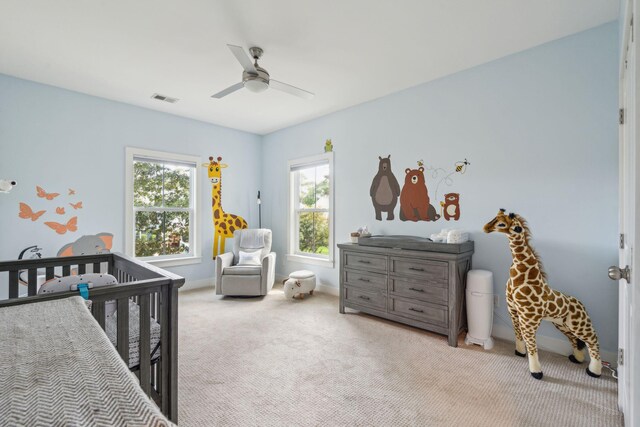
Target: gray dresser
x,y
425,289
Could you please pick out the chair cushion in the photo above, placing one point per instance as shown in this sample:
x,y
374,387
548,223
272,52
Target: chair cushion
x,y
249,258
242,270
252,239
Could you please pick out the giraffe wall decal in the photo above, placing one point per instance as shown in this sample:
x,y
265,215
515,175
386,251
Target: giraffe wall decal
x,y
224,224
530,300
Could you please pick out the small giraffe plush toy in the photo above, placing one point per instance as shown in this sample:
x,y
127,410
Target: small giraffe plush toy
x,y
530,300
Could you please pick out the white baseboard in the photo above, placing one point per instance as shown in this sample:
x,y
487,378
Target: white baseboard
x,y
330,290
554,345
197,284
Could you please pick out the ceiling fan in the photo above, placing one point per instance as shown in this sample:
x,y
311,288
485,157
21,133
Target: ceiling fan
x,y
255,78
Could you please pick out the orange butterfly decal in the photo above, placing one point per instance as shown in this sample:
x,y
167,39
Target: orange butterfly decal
x,y
27,213
43,194
60,211
72,191
71,225
76,205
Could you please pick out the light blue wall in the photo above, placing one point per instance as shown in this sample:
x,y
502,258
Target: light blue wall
x,y
538,127
59,139
540,130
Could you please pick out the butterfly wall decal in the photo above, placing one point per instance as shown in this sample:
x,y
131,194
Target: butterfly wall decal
x,y
76,206
72,191
71,225
27,213
44,195
60,211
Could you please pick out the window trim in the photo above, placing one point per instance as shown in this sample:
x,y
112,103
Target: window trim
x,y
292,255
194,237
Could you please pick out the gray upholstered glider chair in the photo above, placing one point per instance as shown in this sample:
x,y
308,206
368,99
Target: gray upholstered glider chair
x,y
251,268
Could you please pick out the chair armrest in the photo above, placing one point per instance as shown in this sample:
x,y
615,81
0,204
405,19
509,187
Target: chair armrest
x,y
222,261
268,272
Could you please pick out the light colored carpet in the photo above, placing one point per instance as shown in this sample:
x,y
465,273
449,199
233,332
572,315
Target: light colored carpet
x,y
276,362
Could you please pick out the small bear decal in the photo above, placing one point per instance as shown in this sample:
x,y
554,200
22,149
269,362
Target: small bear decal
x,y
451,206
414,198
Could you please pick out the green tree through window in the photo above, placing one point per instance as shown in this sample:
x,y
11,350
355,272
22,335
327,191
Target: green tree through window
x,y
163,207
312,209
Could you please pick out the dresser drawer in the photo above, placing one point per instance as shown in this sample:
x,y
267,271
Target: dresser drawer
x,y
424,290
365,280
365,298
369,262
419,310
436,271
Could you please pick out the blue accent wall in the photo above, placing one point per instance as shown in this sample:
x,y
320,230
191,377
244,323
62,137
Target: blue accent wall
x,y
59,139
540,130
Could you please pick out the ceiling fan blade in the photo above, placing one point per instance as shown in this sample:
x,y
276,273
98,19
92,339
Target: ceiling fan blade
x,y
290,89
228,90
243,58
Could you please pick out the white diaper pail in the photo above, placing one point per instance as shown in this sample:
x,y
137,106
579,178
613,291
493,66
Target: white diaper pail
x,y
479,308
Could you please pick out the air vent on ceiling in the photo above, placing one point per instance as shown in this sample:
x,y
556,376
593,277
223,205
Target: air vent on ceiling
x,y
164,98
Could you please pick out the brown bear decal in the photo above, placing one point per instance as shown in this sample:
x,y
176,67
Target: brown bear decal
x,y
451,206
414,198
384,190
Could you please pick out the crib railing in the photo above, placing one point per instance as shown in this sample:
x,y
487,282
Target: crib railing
x,y
154,290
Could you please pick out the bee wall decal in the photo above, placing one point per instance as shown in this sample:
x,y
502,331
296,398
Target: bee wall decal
x,y
461,167
420,163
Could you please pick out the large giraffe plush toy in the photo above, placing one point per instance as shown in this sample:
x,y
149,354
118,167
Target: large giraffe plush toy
x,y
224,224
530,300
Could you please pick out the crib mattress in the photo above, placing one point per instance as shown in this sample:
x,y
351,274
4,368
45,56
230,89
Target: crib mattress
x,y
59,369
111,326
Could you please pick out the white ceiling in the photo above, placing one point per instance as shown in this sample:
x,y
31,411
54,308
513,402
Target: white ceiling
x,y
346,52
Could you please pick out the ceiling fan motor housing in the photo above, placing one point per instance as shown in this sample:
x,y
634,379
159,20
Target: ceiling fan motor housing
x,y
256,82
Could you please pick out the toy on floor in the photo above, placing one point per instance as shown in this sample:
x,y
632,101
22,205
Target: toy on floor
x,y
530,300
299,283
6,185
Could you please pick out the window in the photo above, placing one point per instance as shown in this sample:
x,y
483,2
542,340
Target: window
x,y
311,210
162,214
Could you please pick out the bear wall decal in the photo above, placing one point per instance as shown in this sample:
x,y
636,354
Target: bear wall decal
x,y
384,190
451,206
414,198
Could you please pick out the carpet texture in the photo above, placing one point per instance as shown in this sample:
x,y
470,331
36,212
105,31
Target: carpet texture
x,y
276,362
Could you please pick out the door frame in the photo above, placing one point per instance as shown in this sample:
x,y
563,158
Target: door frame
x,y
629,293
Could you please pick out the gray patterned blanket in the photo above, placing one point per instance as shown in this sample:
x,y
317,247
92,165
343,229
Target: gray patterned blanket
x,y
59,369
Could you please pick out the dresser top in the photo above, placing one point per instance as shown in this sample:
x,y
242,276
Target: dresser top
x,y
409,252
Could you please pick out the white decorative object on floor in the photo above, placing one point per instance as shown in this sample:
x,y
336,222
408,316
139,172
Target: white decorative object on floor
x,y
299,283
480,308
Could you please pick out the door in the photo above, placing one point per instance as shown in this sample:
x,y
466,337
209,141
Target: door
x,y
629,291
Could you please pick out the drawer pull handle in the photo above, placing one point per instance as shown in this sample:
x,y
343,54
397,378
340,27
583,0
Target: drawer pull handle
x,y
364,280
416,268
364,297
416,310
364,262
416,289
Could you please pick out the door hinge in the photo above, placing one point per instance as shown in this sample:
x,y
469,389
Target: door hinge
x,y
621,116
620,357
621,241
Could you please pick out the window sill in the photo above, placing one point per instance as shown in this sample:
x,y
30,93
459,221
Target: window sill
x,y
310,260
172,262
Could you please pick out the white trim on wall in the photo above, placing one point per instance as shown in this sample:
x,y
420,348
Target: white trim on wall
x,y
196,256
291,236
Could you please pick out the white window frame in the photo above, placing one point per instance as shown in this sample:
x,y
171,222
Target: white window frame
x,y
292,223
195,256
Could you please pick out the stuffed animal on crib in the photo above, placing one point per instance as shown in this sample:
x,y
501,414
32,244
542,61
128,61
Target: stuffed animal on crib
x,y
530,300
296,288
6,185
